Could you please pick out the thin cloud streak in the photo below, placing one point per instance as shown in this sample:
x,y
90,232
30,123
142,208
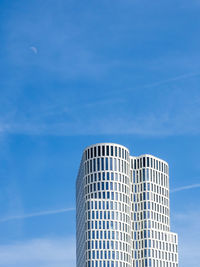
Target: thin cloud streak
x,y
187,187
35,214
164,123
170,80
177,78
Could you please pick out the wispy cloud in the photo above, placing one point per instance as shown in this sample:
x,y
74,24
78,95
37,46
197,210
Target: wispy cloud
x,y
187,187
75,62
35,214
174,79
66,119
39,252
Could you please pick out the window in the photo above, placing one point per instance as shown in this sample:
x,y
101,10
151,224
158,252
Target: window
x,y
115,164
99,151
103,150
111,165
115,151
111,150
122,153
95,151
143,174
107,150
102,164
144,165
147,161
98,164
106,163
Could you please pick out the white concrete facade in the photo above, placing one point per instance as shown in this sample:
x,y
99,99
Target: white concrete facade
x,y
122,203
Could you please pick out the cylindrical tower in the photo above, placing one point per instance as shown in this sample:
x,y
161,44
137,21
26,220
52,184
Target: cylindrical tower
x,y
105,176
123,213
153,245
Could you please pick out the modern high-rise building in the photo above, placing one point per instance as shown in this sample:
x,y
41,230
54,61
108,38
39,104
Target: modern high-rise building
x,y
123,214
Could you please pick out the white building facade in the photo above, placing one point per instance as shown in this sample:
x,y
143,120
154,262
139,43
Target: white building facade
x,y
122,204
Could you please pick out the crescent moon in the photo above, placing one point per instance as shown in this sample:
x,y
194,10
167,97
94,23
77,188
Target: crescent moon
x,y
34,49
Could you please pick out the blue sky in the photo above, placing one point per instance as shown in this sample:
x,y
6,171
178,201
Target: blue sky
x,y
73,73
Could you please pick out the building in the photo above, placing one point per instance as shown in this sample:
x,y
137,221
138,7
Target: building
x,y
123,214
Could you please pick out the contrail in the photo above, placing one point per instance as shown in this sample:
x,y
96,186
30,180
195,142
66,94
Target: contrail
x,y
177,78
187,187
35,214
170,80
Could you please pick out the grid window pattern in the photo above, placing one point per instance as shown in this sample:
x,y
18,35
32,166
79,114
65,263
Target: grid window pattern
x,y
123,213
153,244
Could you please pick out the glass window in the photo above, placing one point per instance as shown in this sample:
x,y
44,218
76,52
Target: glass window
x,y
112,176
102,164
95,151
102,185
144,165
111,150
120,152
106,163
111,186
147,175
103,150
99,151
115,164
147,161
98,164
106,185
144,186
111,165
107,150
143,173
133,176
115,151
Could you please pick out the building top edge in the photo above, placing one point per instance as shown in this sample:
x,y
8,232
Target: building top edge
x,y
98,144
149,155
